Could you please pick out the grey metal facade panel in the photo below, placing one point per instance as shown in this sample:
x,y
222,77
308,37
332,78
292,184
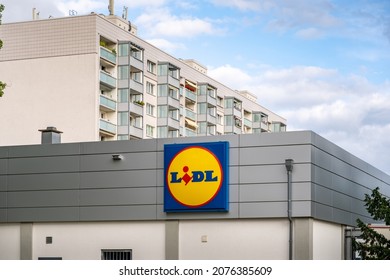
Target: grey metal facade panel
x,y
33,182
274,209
3,166
43,214
117,213
118,179
274,154
43,164
273,173
105,162
122,196
3,215
57,198
81,181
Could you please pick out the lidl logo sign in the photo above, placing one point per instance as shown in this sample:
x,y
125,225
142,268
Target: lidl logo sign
x,y
196,177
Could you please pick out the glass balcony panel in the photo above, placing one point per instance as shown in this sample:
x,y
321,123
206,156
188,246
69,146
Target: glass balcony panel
x,y
107,126
107,80
247,122
190,114
190,95
107,102
107,55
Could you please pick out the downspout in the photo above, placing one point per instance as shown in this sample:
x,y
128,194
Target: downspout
x,y
289,167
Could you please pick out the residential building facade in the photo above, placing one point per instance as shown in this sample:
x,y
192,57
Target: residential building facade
x,y
93,78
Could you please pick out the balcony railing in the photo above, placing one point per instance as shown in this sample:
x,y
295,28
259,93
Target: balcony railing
x,y
190,114
107,102
107,55
247,122
107,80
107,126
190,95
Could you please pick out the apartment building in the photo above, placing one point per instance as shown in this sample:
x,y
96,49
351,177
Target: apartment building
x,y
94,79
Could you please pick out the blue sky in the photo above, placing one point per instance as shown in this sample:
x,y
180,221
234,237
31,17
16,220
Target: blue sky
x,y
322,64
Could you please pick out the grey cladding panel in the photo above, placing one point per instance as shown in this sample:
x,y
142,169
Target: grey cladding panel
x,y
3,166
3,200
115,179
302,209
273,173
3,215
232,214
130,196
274,155
43,198
131,161
44,150
54,181
3,183
44,165
263,192
276,139
47,214
263,209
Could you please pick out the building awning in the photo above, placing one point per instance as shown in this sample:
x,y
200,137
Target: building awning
x,y
191,84
191,123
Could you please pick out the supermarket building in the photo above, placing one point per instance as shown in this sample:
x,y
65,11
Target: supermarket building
x,y
289,195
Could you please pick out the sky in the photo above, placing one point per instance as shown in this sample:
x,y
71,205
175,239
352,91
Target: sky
x,y
324,65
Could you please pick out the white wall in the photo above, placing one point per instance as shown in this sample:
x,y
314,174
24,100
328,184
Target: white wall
x,y
84,241
54,91
328,241
234,239
9,241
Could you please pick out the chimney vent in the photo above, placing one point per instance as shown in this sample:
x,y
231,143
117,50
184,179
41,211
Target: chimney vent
x,y
50,135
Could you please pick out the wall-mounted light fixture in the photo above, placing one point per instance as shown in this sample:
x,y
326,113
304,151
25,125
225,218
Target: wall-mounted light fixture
x,y
117,157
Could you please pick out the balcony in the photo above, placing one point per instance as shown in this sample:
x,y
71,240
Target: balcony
x,y
190,133
207,98
108,55
107,127
190,95
247,122
207,118
136,109
136,131
107,80
169,122
167,79
168,100
190,114
107,104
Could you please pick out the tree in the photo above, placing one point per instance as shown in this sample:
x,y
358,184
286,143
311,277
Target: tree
x,y
375,246
2,84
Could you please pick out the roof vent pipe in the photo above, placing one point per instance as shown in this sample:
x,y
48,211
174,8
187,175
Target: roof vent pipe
x,y
111,7
50,135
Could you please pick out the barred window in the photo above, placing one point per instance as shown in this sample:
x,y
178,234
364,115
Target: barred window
x,y
117,254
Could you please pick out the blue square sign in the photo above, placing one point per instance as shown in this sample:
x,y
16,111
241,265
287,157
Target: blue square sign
x,y
196,177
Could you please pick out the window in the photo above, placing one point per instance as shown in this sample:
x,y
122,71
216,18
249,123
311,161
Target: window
x,y
123,95
173,92
136,53
136,122
162,70
202,108
228,120
173,133
123,137
229,103
212,111
219,119
136,98
212,129
123,49
237,104
121,254
219,101
211,92
162,111
151,67
123,72
162,132
123,118
150,88
150,109
149,130
202,127
162,90
174,114
136,76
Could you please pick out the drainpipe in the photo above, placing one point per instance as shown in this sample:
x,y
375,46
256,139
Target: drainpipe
x,y
289,167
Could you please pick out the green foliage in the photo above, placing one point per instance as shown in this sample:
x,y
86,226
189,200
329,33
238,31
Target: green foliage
x,y
374,246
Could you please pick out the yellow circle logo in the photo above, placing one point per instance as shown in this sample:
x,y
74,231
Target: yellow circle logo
x,y
194,176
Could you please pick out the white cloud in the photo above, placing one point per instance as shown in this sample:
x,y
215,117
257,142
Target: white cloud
x,y
160,22
309,33
168,46
80,6
348,110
